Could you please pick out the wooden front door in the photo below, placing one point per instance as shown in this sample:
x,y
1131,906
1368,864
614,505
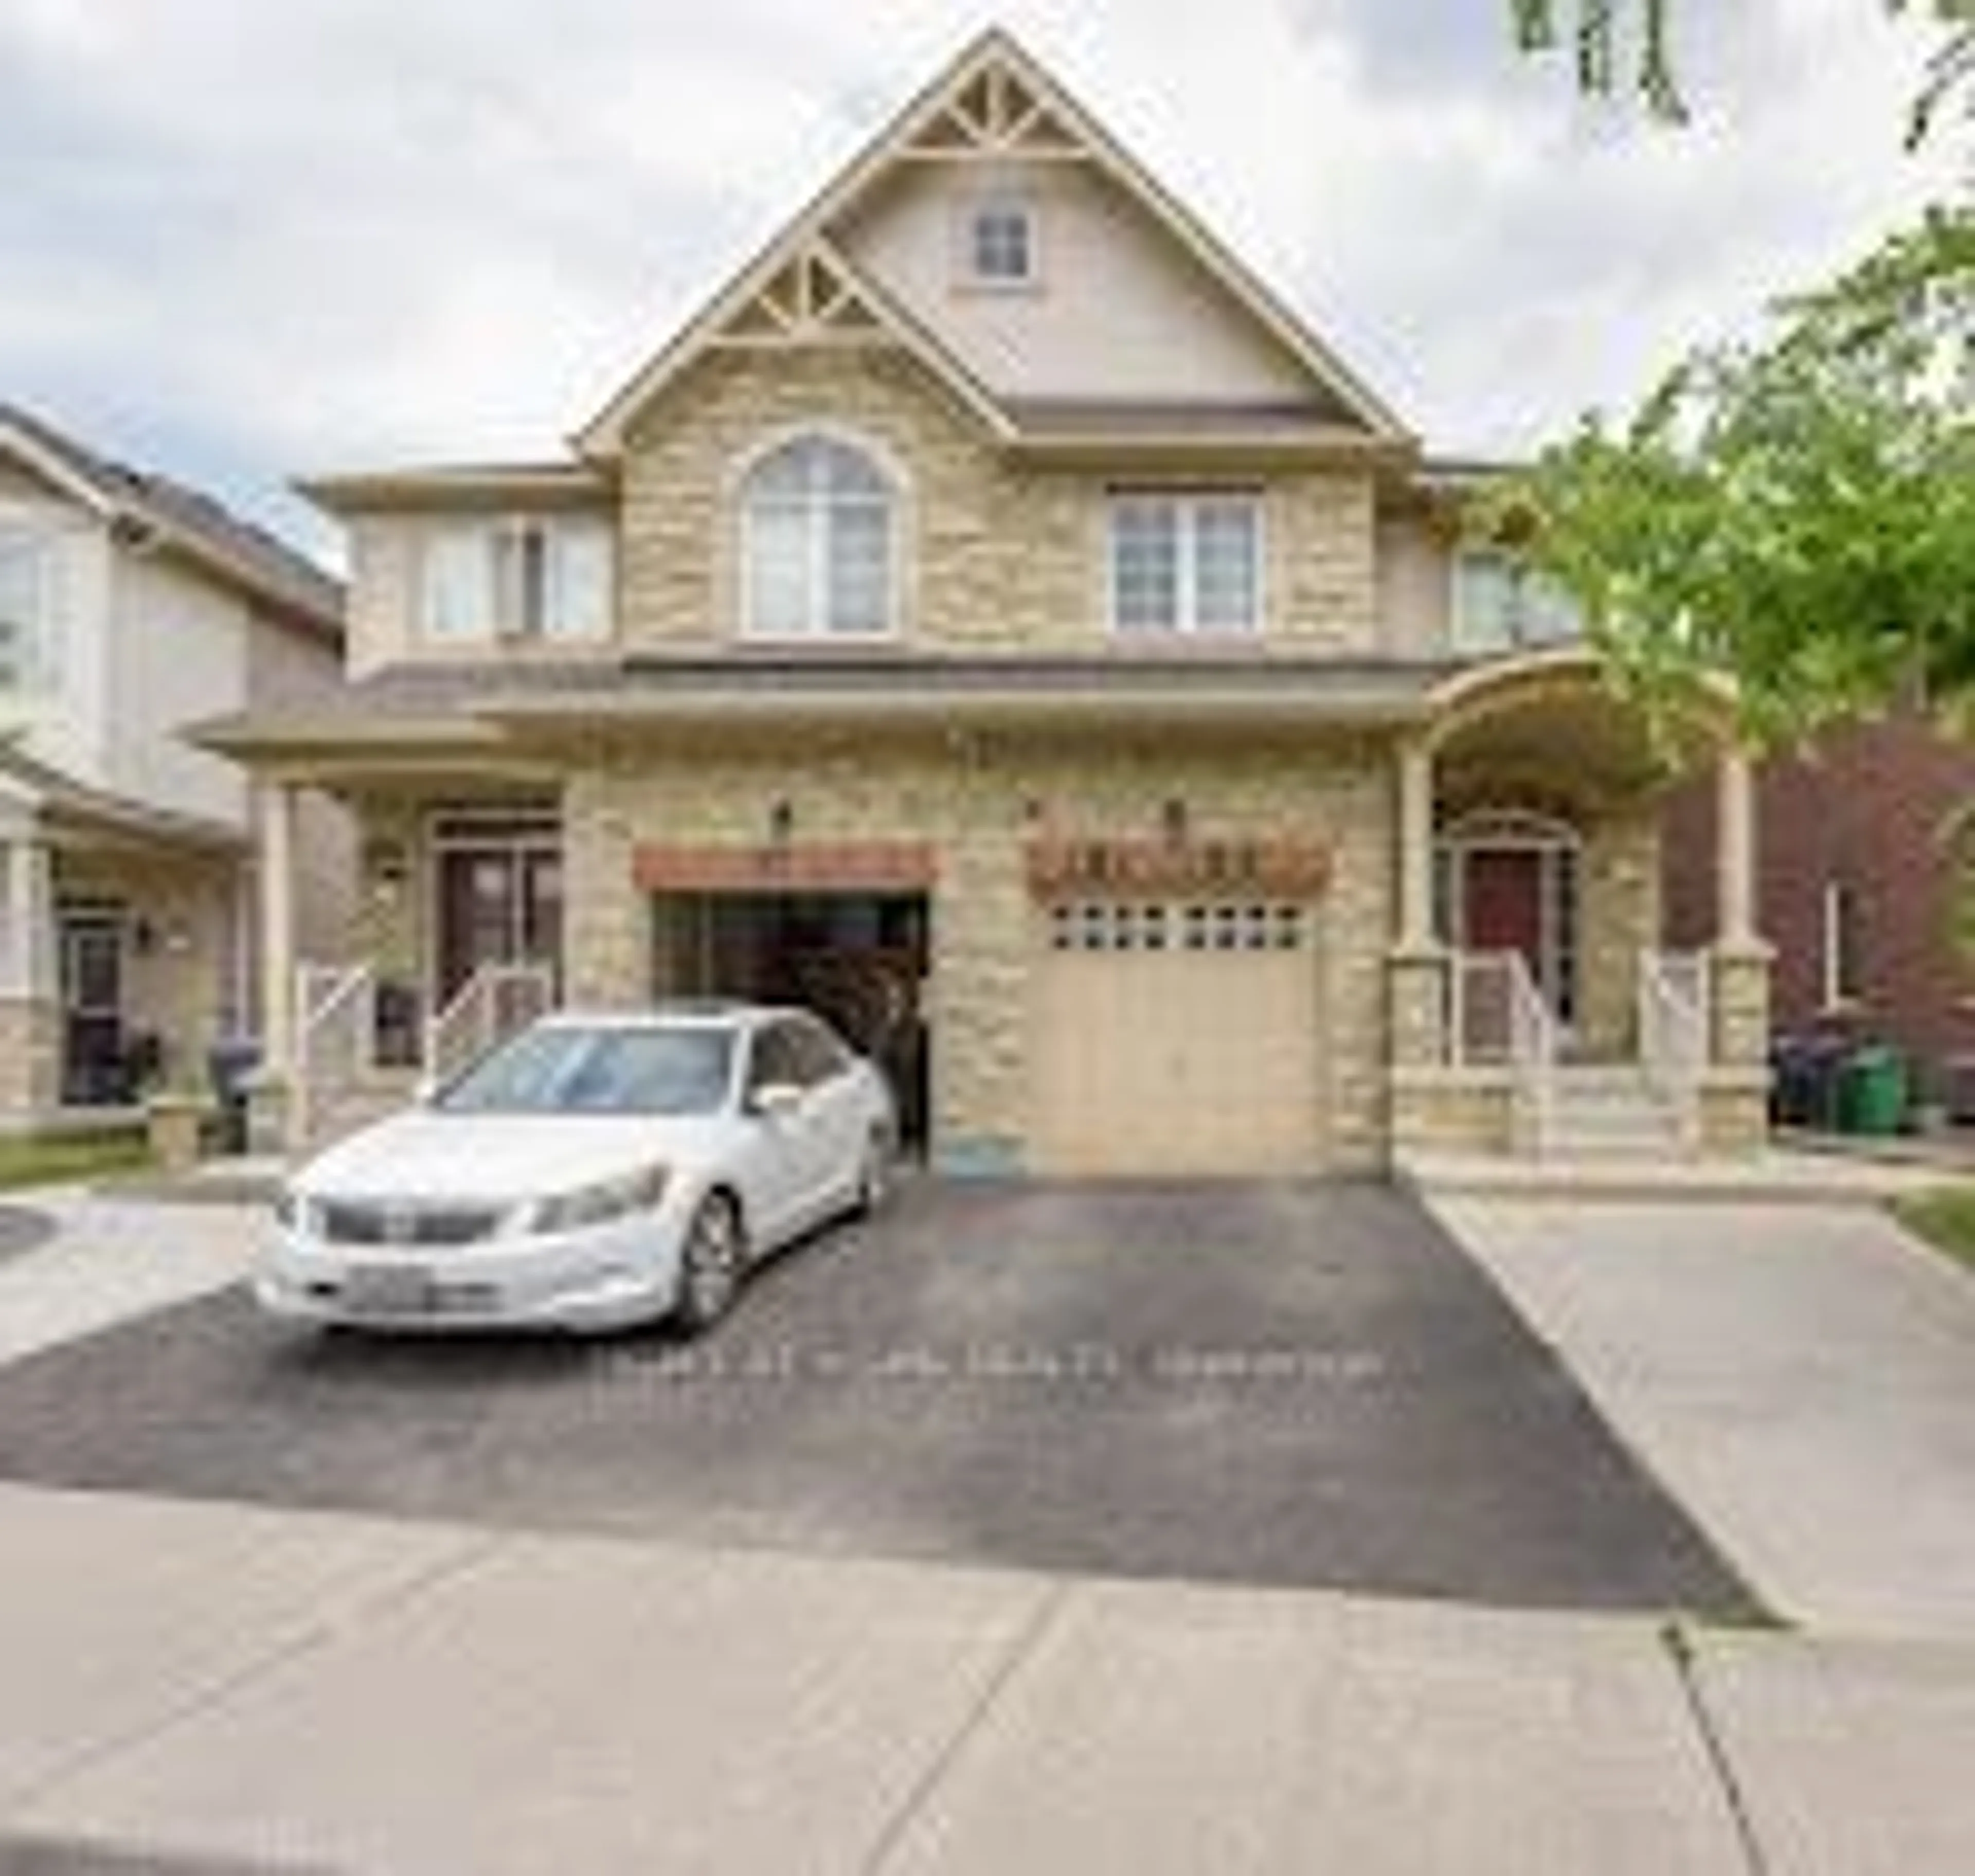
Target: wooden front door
x,y
1504,909
497,905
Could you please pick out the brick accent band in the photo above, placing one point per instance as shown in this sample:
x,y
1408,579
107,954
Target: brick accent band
x,y
850,866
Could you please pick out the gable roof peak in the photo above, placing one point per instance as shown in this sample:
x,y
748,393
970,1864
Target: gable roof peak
x,y
995,96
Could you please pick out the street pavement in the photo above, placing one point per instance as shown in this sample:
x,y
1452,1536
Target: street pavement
x,y
206,1689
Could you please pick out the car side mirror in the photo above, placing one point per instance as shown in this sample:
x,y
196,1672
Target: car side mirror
x,y
777,1101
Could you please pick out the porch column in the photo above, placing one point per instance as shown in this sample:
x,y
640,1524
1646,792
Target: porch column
x,y
277,813
1416,969
1415,932
27,973
1735,816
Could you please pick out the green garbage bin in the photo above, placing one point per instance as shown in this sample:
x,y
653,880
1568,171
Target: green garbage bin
x,y
1872,1091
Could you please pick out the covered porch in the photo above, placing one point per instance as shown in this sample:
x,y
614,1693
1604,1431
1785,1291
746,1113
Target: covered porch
x,y
1533,1007
124,942
456,935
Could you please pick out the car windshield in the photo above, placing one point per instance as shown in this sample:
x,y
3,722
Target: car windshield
x,y
632,1070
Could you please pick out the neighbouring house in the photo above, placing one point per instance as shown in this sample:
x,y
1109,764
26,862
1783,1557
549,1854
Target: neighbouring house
x,y
998,621
130,606
1865,890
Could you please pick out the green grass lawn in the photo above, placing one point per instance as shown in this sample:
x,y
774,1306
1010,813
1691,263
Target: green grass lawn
x,y
71,1158
1946,1220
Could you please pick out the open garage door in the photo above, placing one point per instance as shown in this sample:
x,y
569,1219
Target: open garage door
x,y
1177,1038
858,959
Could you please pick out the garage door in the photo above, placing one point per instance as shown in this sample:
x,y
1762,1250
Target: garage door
x,y
1177,1037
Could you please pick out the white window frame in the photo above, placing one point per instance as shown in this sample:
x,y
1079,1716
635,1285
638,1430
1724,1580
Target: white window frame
x,y
1838,946
817,631
1523,634
33,666
1015,205
1187,505
502,544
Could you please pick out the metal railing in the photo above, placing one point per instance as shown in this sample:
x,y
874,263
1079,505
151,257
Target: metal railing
x,y
336,1028
1497,1018
496,1001
1674,995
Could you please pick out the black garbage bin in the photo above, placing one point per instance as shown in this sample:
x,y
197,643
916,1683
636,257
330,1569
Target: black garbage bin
x,y
230,1064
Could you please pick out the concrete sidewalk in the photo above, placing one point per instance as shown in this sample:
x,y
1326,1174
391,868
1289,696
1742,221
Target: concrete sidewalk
x,y
111,1258
1801,1379
222,1689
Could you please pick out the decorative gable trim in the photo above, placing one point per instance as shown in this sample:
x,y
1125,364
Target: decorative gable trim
x,y
804,294
998,115
994,102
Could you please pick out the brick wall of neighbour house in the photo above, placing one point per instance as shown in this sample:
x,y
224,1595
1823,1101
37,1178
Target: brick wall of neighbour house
x,y
974,804
30,1058
180,984
997,557
1873,811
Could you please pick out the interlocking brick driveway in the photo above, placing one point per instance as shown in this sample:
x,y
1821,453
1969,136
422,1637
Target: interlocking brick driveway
x,y
1266,1383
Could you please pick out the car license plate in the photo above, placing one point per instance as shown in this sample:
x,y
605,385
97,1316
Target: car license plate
x,y
391,1290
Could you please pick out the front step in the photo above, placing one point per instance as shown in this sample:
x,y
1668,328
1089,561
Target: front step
x,y
1609,1111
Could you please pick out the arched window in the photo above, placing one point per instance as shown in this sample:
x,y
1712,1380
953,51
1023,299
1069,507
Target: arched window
x,y
818,543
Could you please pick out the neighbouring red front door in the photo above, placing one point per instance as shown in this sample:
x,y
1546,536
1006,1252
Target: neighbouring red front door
x,y
1504,909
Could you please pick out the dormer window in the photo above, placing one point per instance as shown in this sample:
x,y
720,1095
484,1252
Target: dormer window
x,y
1001,249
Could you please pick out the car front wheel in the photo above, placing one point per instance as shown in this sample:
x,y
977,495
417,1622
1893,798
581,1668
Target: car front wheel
x,y
711,1265
874,1174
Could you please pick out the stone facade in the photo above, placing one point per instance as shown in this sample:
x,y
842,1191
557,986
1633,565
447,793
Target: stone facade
x,y
1620,888
997,557
30,1058
977,802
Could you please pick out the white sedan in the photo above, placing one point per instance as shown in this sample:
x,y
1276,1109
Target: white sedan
x,y
591,1173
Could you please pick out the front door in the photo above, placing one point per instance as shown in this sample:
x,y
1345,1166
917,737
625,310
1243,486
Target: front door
x,y
1505,902
497,905
1523,897
96,1067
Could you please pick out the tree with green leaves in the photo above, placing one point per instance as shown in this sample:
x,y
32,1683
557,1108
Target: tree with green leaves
x,y
1595,28
1798,513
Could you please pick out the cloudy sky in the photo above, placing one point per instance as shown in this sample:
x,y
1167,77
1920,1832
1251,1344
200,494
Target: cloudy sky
x,y
243,239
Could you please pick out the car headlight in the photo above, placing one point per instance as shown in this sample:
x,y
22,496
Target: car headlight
x,y
598,1204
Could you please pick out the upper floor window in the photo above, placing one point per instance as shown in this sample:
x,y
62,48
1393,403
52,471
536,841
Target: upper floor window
x,y
1186,564
521,579
27,611
818,543
1000,244
1501,605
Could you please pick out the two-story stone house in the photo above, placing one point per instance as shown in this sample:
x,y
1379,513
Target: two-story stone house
x,y
130,606
998,620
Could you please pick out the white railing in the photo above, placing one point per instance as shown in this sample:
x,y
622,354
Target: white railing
x,y
1533,1054
497,1000
1674,996
336,1029
1479,1032
1497,1018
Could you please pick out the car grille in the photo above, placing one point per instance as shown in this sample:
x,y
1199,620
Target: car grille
x,y
364,1222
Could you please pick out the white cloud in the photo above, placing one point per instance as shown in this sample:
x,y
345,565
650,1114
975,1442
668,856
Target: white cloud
x,y
243,240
